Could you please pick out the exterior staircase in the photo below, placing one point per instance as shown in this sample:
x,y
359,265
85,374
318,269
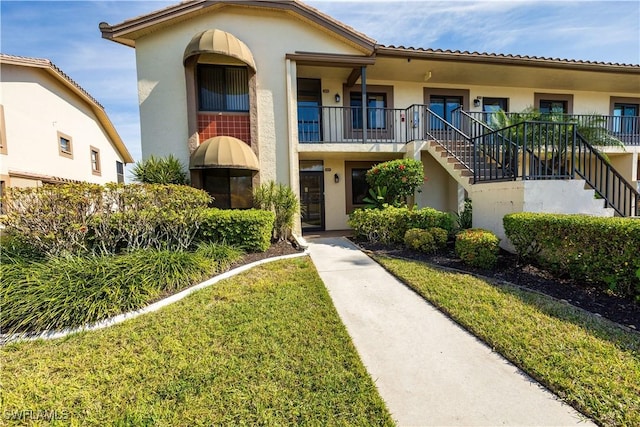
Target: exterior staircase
x,y
473,153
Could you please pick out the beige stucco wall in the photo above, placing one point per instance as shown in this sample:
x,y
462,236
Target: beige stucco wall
x,y
270,35
36,108
440,191
408,93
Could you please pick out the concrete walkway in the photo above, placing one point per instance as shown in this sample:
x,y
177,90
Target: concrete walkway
x,y
429,371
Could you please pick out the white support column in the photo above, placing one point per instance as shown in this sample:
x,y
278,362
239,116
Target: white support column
x,y
292,133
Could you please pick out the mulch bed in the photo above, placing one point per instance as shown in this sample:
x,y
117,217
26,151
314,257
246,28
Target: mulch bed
x,y
276,249
595,300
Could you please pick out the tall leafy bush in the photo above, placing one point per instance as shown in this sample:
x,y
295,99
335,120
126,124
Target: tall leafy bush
x,y
598,250
401,177
84,218
282,201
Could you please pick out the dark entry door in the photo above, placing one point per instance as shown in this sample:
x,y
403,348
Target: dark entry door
x,y
312,199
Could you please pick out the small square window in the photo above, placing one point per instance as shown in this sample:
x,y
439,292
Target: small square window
x,y
65,145
95,161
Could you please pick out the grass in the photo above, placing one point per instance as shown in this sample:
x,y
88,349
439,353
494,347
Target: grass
x,y
62,292
589,362
264,347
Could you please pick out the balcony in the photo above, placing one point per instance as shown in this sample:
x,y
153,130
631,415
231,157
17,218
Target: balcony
x,y
598,129
318,125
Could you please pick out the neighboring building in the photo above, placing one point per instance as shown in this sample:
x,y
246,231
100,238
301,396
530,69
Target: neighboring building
x,y
52,130
299,87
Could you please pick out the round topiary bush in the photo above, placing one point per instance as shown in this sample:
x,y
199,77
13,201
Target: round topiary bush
x,y
478,247
420,240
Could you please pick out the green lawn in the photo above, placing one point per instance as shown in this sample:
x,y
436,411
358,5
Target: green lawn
x,y
265,347
589,362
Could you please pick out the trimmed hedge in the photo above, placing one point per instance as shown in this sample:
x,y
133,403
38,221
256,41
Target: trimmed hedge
x,y
478,247
603,251
249,229
390,224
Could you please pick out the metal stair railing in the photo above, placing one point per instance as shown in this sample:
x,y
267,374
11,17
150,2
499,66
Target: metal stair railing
x,y
595,169
425,124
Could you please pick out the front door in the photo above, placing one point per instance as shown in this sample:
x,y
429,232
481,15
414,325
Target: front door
x,y
312,195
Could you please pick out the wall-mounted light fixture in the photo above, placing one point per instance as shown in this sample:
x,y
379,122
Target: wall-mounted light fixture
x,y
477,101
336,178
337,97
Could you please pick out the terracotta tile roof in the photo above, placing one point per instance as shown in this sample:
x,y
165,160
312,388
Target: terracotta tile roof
x,y
484,55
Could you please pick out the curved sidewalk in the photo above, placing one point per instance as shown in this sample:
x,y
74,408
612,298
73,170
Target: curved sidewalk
x,y
429,371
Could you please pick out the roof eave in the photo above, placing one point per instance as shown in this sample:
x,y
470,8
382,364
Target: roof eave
x,y
385,51
124,32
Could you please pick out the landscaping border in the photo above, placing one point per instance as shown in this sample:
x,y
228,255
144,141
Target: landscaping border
x,y
111,321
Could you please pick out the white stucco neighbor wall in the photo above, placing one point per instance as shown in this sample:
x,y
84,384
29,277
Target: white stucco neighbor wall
x,y
270,35
36,108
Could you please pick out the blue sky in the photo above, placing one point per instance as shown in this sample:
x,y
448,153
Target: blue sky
x,y
66,32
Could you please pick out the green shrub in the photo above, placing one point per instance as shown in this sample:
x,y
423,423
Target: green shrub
x,y
478,247
14,250
280,200
602,251
249,230
63,292
53,218
440,236
389,225
420,240
401,177
160,170
85,218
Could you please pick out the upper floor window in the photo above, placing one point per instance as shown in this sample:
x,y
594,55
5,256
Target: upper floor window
x,y
376,104
223,88
120,172
65,145
491,105
553,103
550,106
95,161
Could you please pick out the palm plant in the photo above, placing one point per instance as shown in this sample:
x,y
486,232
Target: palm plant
x,y
160,170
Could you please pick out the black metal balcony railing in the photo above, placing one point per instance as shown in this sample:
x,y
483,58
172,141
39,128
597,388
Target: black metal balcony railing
x,y
599,130
344,125
396,125
547,150
490,149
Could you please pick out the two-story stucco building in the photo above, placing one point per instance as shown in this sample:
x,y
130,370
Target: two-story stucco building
x,y
318,103
52,130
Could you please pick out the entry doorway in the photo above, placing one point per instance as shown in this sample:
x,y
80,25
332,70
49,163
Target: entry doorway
x,y
312,195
